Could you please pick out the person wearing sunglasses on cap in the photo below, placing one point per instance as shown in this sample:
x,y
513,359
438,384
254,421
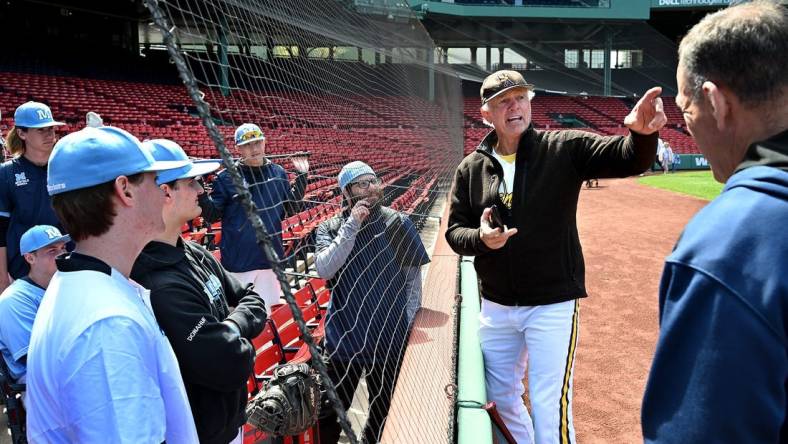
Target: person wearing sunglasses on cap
x,y
191,295
24,201
371,256
274,197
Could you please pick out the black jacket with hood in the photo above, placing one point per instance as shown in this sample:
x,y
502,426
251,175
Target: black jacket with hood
x,y
190,293
543,262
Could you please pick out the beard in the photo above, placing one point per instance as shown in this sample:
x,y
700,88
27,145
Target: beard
x,y
374,199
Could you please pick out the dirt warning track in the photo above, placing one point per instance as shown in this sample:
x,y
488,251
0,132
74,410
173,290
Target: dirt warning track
x,y
626,230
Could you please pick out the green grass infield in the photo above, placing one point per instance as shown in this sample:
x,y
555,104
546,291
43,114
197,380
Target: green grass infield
x,y
694,183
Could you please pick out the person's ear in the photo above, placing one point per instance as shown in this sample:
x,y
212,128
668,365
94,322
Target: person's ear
x,y
166,190
720,105
485,113
30,258
123,190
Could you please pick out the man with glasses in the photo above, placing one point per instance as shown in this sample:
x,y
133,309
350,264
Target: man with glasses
x,y
19,302
528,255
274,198
720,368
371,256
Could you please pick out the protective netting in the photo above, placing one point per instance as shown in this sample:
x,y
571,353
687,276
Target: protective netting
x,y
326,84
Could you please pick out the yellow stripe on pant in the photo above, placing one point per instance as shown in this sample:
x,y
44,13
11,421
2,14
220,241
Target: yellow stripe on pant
x,y
570,358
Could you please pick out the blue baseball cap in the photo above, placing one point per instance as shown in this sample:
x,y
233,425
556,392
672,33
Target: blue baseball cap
x,y
92,156
248,133
34,115
352,171
41,236
167,150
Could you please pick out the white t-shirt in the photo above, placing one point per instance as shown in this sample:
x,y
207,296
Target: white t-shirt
x,y
506,189
100,369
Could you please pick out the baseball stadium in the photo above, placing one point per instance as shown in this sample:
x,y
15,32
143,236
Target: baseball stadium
x,y
387,90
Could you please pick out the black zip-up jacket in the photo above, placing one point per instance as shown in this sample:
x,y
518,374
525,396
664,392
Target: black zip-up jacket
x,y
543,262
190,293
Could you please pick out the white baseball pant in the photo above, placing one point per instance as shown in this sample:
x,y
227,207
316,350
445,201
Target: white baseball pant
x,y
541,339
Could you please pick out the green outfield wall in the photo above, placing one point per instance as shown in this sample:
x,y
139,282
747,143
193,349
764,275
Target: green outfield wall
x,y
686,162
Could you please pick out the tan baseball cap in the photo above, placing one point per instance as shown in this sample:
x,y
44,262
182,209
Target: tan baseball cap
x,y
500,82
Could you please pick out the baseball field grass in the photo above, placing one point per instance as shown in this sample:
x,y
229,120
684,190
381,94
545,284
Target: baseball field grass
x,y
694,183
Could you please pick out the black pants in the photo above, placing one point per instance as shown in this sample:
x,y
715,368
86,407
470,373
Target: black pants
x,y
380,378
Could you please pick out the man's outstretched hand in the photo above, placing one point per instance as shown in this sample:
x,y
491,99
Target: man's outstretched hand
x,y
648,115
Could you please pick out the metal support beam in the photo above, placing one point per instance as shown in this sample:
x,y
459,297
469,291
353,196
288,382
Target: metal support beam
x,y
487,61
608,50
224,63
431,73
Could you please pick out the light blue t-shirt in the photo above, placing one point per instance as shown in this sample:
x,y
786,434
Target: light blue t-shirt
x,y
100,369
18,306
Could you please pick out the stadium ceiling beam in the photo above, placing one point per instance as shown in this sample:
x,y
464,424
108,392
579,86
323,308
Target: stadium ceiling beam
x,y
539,53
322,25
459,33
308,28
102,8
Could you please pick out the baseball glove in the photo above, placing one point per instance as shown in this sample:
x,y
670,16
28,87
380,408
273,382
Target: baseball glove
x,y
289,403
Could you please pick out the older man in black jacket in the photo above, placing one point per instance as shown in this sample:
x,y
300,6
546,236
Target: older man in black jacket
x,y
531,266
191,295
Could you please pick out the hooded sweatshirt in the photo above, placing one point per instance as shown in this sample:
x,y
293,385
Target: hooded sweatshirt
x,y
720,372
190,293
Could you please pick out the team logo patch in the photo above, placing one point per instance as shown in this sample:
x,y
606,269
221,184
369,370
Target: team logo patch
x,y
21,179
213,288
44,114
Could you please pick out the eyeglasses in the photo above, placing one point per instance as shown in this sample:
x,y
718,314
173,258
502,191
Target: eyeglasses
x,y
365,183
251,135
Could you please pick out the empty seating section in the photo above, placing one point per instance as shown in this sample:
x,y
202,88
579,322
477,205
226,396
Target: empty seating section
x,y
389,133
603,115
335,129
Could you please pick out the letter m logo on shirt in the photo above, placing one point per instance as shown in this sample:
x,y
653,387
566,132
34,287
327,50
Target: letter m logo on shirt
x,y
21,179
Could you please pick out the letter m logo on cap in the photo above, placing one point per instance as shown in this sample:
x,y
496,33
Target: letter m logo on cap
x,y
43,114
53,233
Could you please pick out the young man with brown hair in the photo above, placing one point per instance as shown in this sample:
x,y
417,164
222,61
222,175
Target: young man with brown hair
x,y
100,369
